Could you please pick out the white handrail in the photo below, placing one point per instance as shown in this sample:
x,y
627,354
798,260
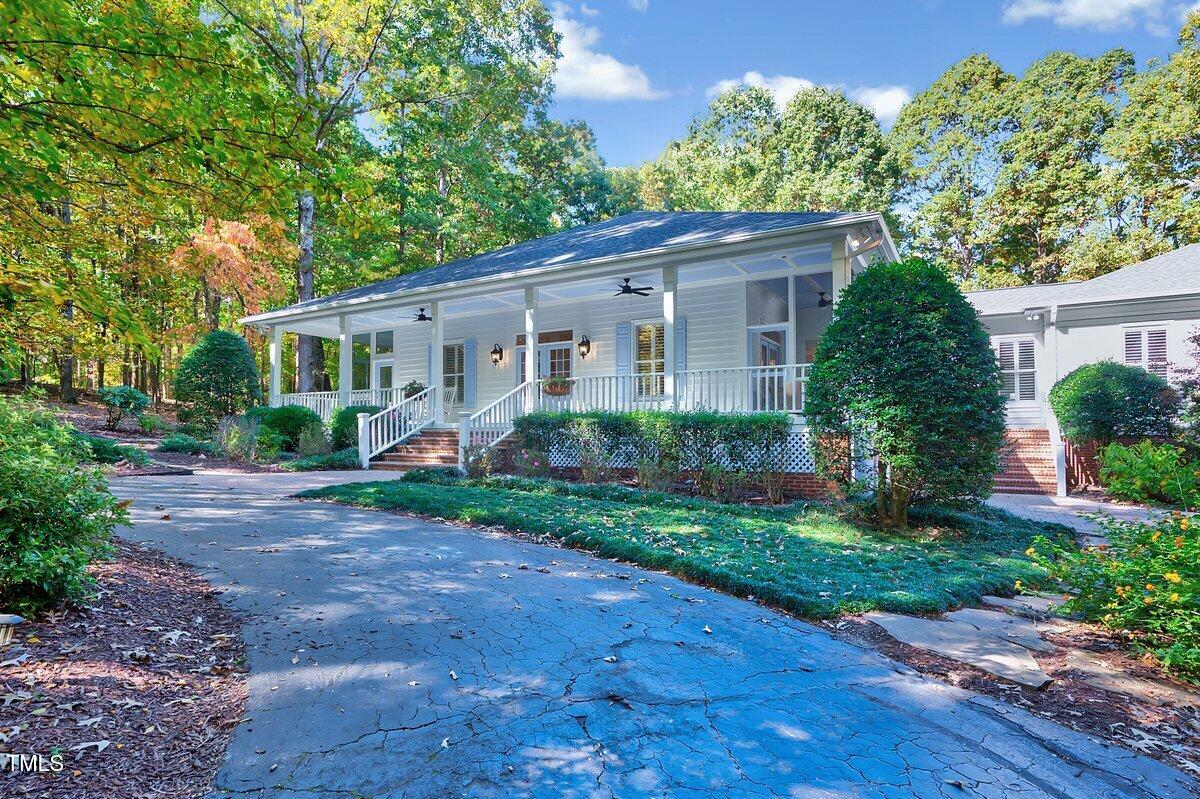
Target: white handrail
x,y
491,424
393,424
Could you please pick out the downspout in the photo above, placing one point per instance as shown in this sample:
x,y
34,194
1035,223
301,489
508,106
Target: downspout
x,y
1056,440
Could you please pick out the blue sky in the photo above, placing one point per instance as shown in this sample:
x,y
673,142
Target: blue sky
x,y
638,70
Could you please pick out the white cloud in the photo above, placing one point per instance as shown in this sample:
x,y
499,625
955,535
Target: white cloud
x,y
588,11
885,101
639,5
587,74
1102,15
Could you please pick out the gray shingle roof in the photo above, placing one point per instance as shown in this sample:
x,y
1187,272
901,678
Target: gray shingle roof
x,y
628,235
1167,275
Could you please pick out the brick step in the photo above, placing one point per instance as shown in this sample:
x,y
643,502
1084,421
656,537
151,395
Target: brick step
x,y
397,457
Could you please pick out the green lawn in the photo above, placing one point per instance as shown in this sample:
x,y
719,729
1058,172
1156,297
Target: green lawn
x,y
802,558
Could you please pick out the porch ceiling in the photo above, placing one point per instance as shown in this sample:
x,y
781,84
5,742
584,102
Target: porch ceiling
x,y
810,260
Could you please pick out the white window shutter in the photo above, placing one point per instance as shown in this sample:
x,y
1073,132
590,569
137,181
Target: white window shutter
x,y
1133,347
1156,352
1026,370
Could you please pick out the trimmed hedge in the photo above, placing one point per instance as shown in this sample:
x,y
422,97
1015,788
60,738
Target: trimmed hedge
x,y
343,427
287,420
1105,401
749,442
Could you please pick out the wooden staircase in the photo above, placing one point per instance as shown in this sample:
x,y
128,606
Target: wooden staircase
x,y
430,447
1026,463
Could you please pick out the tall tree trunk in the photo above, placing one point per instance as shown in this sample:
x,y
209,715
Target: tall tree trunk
x,y
305,360
66,366
212,307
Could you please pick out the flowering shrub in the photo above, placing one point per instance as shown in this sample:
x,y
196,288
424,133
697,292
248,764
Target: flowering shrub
x,y
479,461
1145,583
1149,471
529,462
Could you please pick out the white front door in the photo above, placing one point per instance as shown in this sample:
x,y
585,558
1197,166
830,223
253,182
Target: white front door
x,y
384,374
553,360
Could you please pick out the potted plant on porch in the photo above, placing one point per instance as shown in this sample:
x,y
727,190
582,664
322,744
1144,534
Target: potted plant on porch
x,y
557,386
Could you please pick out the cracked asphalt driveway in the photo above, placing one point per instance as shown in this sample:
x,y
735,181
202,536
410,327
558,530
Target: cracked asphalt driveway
x,y
395,657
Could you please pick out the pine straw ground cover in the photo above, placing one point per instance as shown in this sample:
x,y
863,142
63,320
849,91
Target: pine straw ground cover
x,y
139,692
802,558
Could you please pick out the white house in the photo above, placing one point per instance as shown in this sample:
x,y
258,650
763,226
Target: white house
x,y
1141,315
672,310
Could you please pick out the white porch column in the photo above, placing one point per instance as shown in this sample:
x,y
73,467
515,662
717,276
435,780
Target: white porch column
x,y
531,339
789,351
436,376
276,364
345,360
841,267
670,275
531,345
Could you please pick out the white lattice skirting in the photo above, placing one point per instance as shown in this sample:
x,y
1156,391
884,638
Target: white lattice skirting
x,y
798,455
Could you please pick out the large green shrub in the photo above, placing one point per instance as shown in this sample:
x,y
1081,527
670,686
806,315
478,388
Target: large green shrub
x,y
289,421
1149,472
218,378
1104,401
122,401
343,427
906,371
56,514
1145,584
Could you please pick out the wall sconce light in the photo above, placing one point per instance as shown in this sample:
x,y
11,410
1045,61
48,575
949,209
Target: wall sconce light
x,y
585,346
497,354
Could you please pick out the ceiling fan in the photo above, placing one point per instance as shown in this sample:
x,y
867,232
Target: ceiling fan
x,y
625,289
823,301
420,316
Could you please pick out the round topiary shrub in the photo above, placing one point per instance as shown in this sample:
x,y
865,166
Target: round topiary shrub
x,y
1105,401
289,421
343,427
218,378
906,371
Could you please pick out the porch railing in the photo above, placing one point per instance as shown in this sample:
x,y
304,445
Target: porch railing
x,y
393,425
323,402
743,389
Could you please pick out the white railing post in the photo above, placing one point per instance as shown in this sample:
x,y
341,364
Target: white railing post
x,y
364,441
464,438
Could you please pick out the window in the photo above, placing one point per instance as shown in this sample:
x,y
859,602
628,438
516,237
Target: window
x,y
1147,347
1017,369
454,373
554,354
360,374
383,342
649,359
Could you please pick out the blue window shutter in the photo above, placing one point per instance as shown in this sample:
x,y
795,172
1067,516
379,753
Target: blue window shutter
x,y
680,345
624,358
469,373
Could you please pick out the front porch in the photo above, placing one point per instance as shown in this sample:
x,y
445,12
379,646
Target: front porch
x,y
728,326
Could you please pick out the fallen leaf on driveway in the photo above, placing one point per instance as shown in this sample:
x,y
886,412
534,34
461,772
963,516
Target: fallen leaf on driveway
x,y
99,746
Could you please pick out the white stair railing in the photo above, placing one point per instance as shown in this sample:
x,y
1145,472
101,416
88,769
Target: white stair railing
x,y
488,426
393,425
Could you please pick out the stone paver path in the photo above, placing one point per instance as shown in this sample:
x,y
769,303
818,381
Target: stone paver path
x,y
393,657
1068,510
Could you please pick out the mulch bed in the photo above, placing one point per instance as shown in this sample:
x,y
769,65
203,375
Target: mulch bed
x,y
140,692
1166,733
